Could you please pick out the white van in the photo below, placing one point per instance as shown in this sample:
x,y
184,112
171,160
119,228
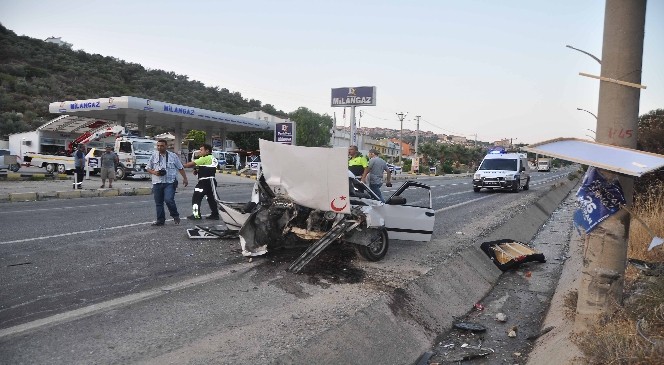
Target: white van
x,y
499,170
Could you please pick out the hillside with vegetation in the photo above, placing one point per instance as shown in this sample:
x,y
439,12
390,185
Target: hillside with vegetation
x,y
34,73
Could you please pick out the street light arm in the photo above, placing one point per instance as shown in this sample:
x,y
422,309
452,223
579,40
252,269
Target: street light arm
x,y
582,51
593,114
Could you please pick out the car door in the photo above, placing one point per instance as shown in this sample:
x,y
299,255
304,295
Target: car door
x,y
408,213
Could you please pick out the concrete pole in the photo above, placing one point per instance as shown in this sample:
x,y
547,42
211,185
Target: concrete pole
x,y
401,117
141,125
417,134
353,130
605,253
223,137
177,142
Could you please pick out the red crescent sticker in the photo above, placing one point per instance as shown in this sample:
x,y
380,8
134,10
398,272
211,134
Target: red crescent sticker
x,y
338,209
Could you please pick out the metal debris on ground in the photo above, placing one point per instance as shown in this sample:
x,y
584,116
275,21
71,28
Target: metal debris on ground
x,y
508,254
469,326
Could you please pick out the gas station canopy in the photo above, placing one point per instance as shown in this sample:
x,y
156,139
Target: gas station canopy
x,y
129,109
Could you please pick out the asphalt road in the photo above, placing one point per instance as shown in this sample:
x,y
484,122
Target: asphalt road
x,y
90,281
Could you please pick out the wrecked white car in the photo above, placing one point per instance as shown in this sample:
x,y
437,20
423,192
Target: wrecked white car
x,y
305,195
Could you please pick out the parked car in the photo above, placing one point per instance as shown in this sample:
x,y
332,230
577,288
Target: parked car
x,y
8,161
394,168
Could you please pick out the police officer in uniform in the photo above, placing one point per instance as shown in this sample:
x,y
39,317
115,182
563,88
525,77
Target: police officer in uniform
x,y
207,167
356,162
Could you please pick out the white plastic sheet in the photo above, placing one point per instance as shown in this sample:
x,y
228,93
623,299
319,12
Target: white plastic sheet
x,y
613,158
313,177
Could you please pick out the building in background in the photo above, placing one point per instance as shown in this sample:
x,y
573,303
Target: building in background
x,y
58,41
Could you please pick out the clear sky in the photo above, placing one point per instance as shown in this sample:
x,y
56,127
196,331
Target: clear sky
x,y
495,69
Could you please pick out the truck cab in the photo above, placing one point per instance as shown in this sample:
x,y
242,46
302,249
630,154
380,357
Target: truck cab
x,y
501,170
134,154
544,164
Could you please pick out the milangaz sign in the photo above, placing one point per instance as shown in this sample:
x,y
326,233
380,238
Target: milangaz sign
x,y
354,96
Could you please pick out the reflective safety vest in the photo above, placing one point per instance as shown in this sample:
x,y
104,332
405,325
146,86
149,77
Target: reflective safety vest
x,y
207,167
357,164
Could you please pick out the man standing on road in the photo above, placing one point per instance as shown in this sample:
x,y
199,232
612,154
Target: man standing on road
x,y
375,170
79,166
356,162
163,166
108,162
207,167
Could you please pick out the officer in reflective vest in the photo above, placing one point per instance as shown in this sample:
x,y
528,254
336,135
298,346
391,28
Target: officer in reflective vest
x,y
356,162
206,165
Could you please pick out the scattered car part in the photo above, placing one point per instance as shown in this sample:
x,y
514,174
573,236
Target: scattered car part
x,y
508,254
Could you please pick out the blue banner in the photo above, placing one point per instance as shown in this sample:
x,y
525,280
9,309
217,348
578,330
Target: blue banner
x,y
283,133
598,199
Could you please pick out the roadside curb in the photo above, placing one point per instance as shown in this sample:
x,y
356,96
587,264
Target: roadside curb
x,y
73,194
384,332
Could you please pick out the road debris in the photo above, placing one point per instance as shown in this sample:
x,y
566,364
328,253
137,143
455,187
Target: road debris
x,y
469,326
508,254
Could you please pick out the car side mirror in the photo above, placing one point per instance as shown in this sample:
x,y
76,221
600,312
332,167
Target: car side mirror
x,y
396,200
523,168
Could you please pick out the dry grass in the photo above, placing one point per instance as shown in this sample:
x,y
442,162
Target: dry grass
x,y
616,339
569,304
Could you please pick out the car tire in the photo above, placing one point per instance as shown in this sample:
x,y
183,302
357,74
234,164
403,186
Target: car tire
x,y
120,173
377,249
477,190
50,168
527,186
14,167
515,187
62,169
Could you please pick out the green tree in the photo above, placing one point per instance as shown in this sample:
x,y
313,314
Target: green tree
x,y
248,141
196,137
650,138
651,132
313,129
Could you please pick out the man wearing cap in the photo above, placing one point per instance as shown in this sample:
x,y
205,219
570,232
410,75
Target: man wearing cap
x,y
375,169
108,162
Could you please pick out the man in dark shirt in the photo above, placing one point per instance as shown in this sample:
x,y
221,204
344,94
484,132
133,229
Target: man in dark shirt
x,y
79,166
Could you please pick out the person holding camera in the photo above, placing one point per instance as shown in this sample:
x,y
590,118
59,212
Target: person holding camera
x,y
375,170
163,166
206,164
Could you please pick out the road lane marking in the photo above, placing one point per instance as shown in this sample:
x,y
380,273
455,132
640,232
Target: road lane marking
x,y
75,233
461,204
122,301
73,207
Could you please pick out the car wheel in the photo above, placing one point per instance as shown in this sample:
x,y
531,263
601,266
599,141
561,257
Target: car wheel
x,y
377,249
515,187
62,169
477,190
50,168
526,187
119,173
14,167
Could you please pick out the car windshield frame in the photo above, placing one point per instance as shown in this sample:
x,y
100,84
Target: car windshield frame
x,y
506,164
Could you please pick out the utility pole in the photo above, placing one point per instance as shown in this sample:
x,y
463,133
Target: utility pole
x,y
605,253
417,134
401,117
